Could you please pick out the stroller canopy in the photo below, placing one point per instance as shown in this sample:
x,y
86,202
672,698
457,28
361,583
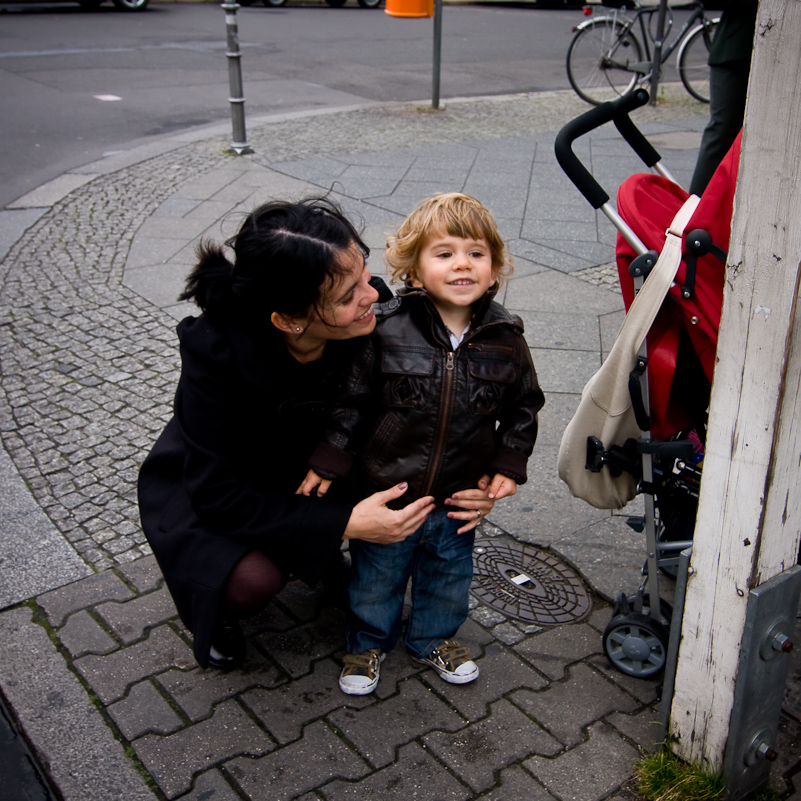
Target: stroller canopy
x,y
683,339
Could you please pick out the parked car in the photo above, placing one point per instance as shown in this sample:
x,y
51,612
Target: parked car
x,y
332,3
122,5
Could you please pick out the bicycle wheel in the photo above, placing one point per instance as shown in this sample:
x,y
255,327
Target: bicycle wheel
x,y
598,59
693,57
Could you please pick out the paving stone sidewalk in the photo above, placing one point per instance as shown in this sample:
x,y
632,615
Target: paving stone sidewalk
x,y
281,728
96,667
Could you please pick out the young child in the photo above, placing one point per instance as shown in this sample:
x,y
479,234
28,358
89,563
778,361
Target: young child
x,y
443,393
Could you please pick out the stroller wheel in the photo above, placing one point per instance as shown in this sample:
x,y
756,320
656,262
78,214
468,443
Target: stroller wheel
x,y
636,644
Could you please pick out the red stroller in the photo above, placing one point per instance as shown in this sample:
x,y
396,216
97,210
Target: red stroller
x,y
670,397
683,339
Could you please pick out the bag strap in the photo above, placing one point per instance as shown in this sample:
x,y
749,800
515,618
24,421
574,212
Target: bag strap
x,y
648,300
683,216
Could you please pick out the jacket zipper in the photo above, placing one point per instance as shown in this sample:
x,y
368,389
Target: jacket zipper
x,y
444,418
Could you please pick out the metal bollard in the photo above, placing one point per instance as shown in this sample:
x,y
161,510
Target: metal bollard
x,y
437,54
239,145
659,41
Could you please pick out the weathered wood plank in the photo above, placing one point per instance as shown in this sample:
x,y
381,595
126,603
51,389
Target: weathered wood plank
x,y
749,514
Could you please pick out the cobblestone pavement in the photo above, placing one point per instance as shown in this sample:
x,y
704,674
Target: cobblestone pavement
x,y
88,369
116,707
281,728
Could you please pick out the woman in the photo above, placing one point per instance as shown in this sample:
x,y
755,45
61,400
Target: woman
x,y
217,494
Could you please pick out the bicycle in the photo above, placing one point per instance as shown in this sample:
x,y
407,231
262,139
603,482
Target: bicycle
x,y
605,57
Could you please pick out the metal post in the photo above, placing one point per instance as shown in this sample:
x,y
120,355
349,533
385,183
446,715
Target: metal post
x,y
674,640
437,53
656,66
239,145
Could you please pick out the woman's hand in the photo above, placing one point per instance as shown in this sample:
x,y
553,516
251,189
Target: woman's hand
x,y
372,521
312,482
474,503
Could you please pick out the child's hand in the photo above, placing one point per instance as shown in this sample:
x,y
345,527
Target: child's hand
x,y
311,482
502,487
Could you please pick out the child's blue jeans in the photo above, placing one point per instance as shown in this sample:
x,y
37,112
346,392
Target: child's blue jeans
x,y
440,563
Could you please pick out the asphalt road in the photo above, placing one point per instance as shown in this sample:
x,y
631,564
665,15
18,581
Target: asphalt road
x,y
76,84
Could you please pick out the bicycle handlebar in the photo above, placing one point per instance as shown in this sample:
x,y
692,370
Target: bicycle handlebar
x,y
615,111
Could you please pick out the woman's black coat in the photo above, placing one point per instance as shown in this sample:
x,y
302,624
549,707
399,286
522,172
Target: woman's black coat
x,y
220,480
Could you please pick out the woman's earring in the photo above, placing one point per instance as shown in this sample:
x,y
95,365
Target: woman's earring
x,y
297,328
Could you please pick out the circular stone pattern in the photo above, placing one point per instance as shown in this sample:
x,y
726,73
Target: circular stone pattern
x,y
528,584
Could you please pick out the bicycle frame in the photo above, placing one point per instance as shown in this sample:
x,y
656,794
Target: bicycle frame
x,y
643,17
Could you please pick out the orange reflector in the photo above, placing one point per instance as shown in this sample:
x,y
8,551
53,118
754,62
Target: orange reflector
x,y
410,8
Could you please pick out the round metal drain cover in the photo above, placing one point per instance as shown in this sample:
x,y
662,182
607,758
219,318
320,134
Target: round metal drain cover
x,y
528,584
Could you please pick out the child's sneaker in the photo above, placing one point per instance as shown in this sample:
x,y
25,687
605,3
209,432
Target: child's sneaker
x,y
360,672
452,661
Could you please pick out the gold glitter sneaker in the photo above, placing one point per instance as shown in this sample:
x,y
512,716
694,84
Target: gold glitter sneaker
x,y
452,661
360,672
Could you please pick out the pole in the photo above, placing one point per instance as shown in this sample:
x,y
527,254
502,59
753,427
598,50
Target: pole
x,y
437,53
239,145
674,639
749,512
656,67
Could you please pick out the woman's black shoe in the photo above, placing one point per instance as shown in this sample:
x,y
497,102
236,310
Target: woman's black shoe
x,y
227,646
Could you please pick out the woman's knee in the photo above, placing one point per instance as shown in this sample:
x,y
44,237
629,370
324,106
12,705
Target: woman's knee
x,y
254,581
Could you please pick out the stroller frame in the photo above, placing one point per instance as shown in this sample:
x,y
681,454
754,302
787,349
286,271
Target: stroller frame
x,y
639,639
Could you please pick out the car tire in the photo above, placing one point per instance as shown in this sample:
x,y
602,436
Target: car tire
x,y
131,5
369,3
274,3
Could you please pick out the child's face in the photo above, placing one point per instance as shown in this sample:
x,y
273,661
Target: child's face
x,y
456,272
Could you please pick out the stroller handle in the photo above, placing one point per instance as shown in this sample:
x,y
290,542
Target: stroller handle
x,y
618,112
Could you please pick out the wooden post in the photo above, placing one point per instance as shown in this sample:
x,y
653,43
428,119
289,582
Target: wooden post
x,y
749,516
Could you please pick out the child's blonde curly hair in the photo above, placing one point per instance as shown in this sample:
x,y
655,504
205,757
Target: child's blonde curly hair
x,y
451,213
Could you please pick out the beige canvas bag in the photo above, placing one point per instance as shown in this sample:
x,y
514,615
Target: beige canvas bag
x,y
605,410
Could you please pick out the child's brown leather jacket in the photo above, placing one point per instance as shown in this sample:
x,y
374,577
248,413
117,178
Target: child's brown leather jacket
x,y
414,409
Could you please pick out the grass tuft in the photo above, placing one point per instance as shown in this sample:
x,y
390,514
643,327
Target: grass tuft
x,y
664,777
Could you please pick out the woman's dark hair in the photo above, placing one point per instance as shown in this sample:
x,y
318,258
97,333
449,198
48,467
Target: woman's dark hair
x,y
285,255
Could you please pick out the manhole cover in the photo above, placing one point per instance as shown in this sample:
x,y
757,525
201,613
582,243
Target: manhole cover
x,y
527,584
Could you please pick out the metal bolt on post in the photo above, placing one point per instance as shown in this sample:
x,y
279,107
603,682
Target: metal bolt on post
x,y
239,145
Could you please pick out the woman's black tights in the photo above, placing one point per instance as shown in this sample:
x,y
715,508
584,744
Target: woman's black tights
x,y
253,583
